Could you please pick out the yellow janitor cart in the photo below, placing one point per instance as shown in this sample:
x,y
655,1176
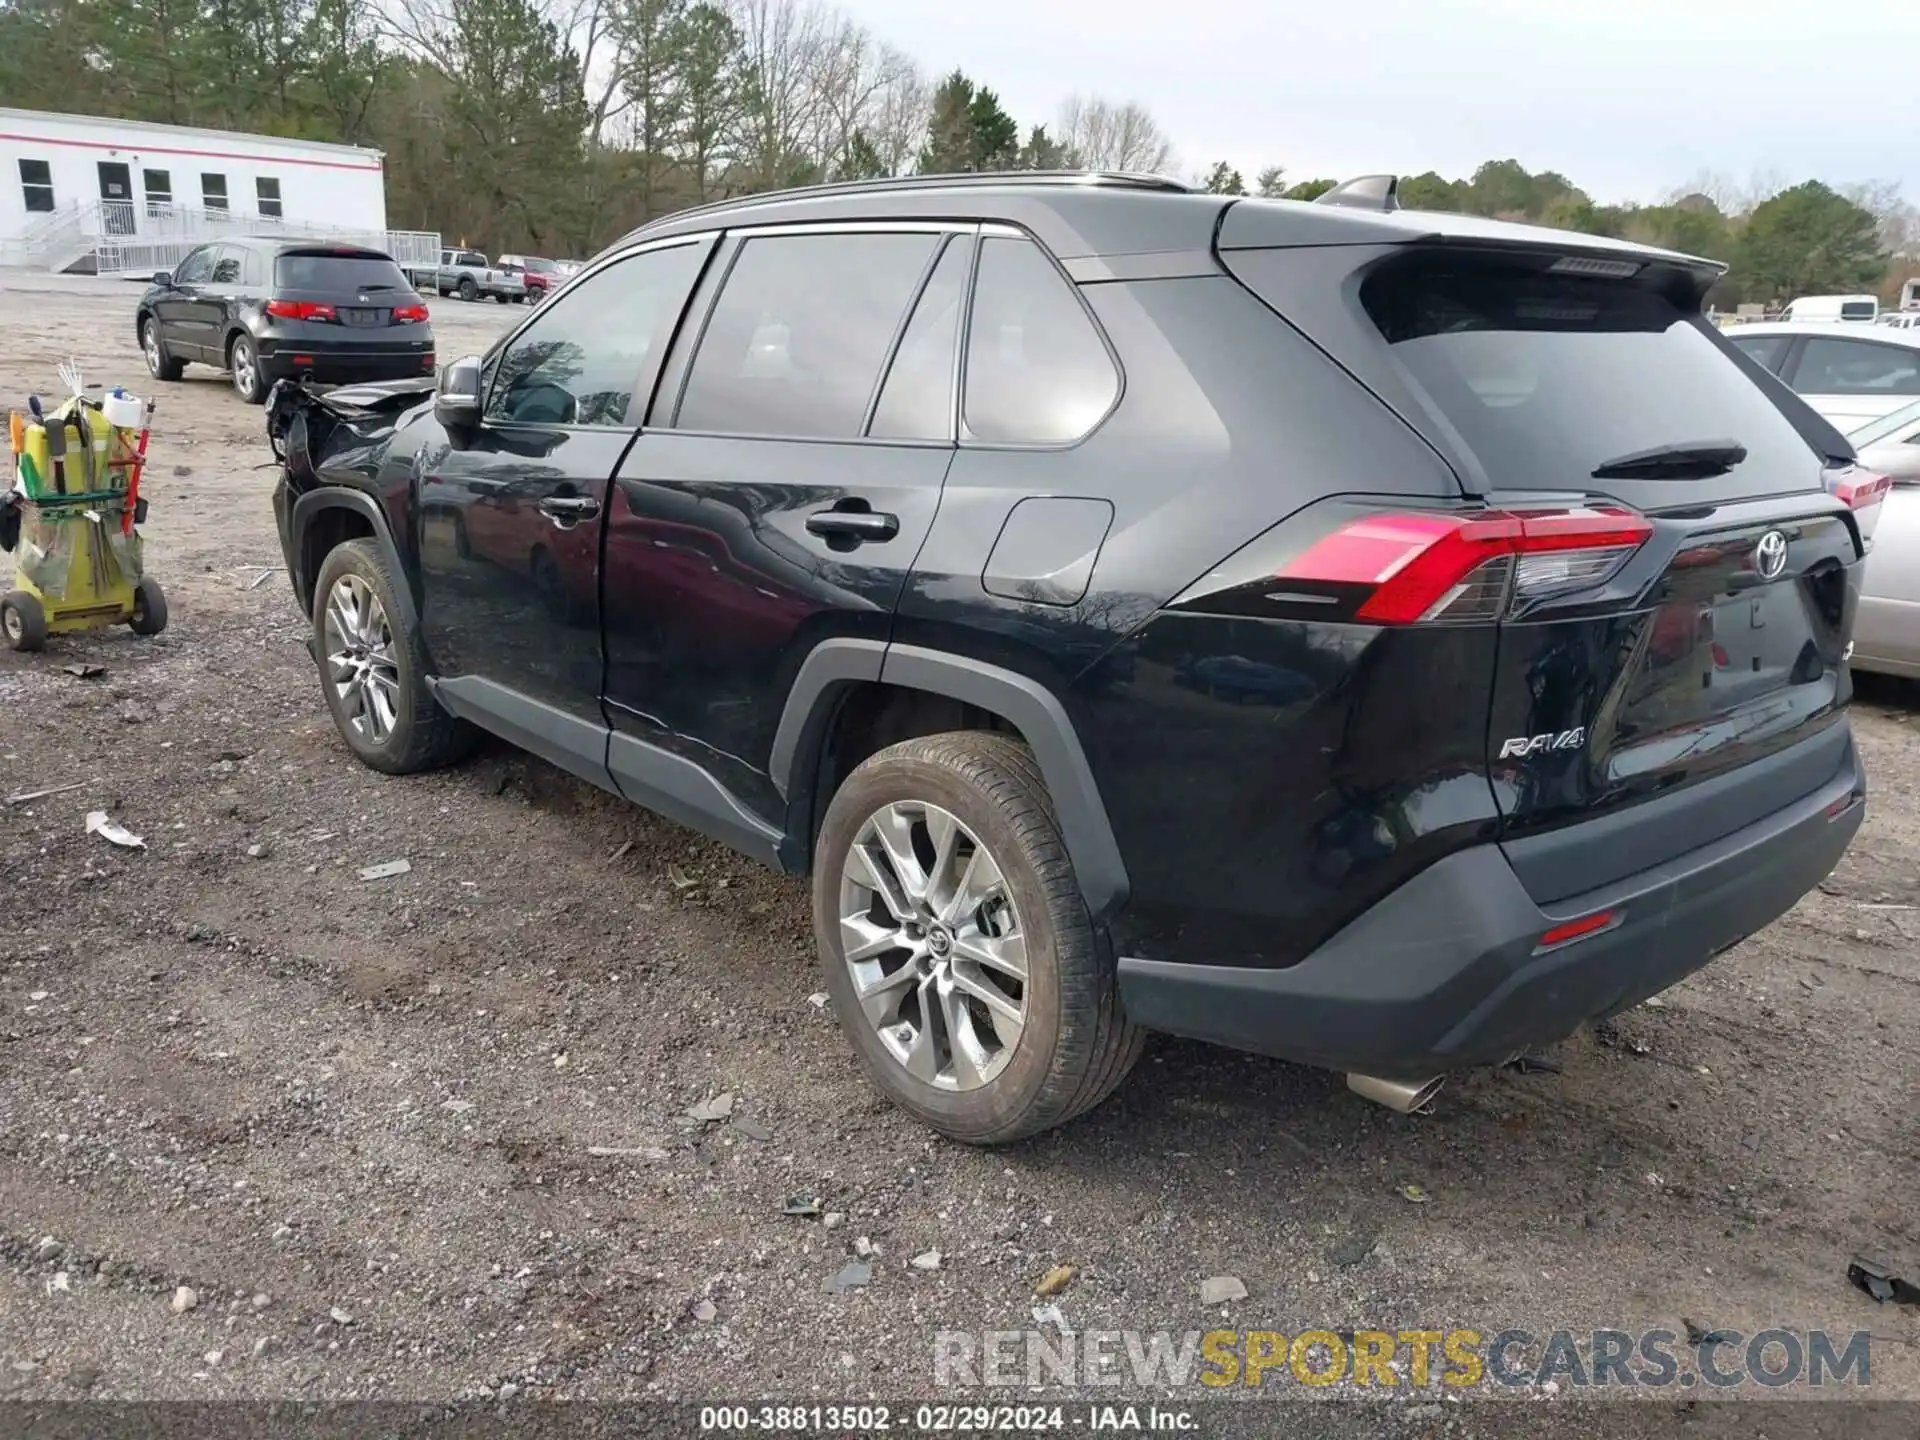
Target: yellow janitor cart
x,y
75,506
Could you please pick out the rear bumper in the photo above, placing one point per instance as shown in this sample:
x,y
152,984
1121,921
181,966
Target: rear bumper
x,y
344,366
1447,971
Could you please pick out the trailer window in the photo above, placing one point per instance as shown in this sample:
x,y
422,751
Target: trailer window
x,y
213,191
159,187
36,185
267,191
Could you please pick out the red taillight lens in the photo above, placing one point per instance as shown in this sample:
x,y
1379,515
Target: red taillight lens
x,y
300,310
1472,566
409,312
1861,491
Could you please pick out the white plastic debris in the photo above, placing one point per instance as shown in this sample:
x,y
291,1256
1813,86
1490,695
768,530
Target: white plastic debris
x,y
99,824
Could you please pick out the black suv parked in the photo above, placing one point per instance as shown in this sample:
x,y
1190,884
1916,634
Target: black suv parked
x,y
268,309
1379,640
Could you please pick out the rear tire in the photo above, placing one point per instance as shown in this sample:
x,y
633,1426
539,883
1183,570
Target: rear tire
x,y
149,607
1073,1045
23,619
390,719
243,360
160,364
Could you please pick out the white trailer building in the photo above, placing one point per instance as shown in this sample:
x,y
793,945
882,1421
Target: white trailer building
x,y
79,192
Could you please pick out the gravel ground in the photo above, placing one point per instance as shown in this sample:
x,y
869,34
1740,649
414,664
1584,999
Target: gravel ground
x,y
429,1136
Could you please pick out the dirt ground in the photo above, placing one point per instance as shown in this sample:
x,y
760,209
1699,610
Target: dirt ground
x,y
426,1137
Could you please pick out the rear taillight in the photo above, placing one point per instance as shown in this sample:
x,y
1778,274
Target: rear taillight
x,y
300,310
1862,492
409,312
1468,567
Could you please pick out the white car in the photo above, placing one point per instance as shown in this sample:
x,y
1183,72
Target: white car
x,y
1886,634
1849,373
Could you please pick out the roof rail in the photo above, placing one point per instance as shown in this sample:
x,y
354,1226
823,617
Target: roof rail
x,y
1097,179
1364,192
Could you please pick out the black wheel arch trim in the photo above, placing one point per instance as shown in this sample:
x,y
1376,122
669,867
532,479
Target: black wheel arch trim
x,y
338,497
1023,702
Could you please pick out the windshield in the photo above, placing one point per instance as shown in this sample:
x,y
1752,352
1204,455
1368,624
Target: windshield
x,y
1887,427
1548,377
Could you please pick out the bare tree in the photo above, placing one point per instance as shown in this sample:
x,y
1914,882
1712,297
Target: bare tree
x,y
897,120
590,27
1111,136
853,79
782,43
1898,222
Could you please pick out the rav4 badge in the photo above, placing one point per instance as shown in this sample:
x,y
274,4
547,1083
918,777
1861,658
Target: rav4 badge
x,y
1521,746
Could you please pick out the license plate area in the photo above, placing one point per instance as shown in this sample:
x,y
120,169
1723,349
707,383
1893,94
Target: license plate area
x,y
362,316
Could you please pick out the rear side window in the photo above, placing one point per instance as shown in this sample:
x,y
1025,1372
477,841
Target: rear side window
x,y
1547,377
1856,367
1769,350
337,273
796,340
1038,372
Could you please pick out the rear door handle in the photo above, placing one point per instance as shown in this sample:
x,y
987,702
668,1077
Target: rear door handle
x,y
855,525
566,510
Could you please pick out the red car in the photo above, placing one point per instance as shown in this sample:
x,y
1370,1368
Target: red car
x,y
540,274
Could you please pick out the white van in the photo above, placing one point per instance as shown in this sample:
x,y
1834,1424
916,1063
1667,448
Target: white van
x,y
1854,309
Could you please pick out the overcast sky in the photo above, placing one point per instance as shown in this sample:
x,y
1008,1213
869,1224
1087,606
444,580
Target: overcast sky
x,y
1627,98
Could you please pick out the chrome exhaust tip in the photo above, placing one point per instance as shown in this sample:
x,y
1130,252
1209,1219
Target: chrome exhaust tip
x,y
1406,1097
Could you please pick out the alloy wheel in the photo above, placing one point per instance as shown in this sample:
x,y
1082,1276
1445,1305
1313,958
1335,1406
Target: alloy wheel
x,y
934,945
150,343
360,661
243,367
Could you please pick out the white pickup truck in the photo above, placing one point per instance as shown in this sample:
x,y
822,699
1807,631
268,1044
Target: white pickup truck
x,y
470,275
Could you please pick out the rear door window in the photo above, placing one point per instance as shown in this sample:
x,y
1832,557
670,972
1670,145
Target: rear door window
x,y
1856,367
795,342
337,274
1549,376
916,403
1038,372
1769,350
227,267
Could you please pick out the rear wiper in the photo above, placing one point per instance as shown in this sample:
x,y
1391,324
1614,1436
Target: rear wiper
x,y
1689,460
369,289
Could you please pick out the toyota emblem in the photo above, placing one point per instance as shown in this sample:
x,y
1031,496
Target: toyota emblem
x,y
1770,555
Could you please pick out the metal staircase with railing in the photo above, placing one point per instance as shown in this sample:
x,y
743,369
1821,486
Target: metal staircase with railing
x,y
124,237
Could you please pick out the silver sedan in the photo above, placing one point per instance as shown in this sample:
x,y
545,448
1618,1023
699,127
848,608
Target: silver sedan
x,y
1886,637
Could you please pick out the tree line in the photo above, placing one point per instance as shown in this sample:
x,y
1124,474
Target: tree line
x,y
553,126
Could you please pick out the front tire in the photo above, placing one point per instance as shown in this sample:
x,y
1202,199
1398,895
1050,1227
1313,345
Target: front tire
x,y
149,607
373,669
243,360
468,290
23,620
160,364
956,944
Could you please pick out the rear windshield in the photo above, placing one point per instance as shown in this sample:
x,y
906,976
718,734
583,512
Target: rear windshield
x,y
540,267
337,273
1858,310
1548,376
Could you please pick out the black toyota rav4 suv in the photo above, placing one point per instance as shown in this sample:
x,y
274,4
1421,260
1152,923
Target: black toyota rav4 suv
x,y
1375,639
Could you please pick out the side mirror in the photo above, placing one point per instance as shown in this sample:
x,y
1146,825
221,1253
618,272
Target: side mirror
x,y
164,277
456,396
